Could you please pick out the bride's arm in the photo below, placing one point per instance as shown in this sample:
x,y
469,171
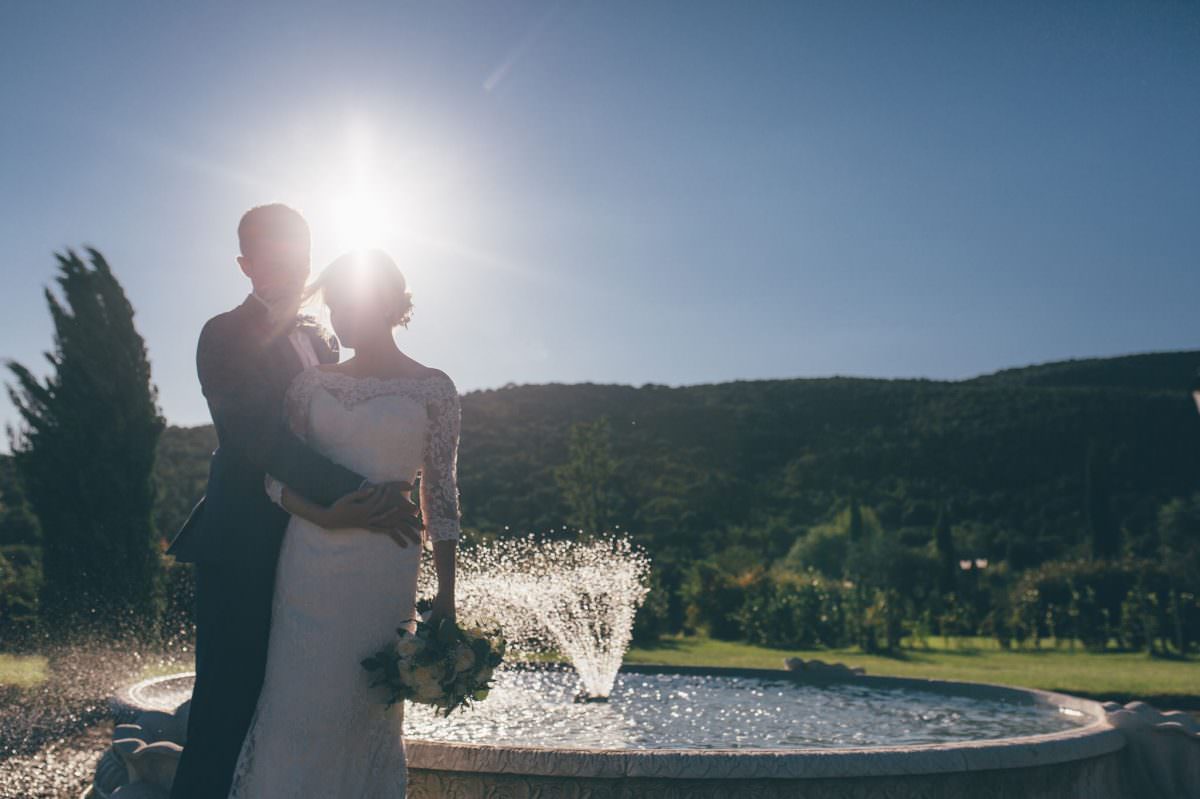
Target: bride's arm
x,y
439,492
349,511
295,504
352,512
444,556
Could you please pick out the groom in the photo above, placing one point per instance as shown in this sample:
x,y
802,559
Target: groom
x,y
246,359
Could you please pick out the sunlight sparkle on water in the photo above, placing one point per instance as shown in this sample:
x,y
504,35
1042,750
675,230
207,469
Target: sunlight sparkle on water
x,y
535,707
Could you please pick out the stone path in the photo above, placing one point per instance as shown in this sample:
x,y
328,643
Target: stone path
x,y
59,770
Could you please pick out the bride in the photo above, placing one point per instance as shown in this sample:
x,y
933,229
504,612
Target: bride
x,y
319,729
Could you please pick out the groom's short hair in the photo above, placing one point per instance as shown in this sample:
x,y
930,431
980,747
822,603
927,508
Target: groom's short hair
x,y
271,222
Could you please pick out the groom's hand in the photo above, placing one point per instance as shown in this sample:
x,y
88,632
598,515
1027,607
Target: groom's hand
x,y
380,509
353,511
394,513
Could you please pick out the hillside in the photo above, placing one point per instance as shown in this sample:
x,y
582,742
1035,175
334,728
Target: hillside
x,y
759,462
1157,371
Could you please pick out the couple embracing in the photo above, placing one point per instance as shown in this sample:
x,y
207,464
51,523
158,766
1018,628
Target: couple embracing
x,y
307,543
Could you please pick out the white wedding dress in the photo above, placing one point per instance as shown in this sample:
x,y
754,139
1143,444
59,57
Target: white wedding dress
x,y
320,730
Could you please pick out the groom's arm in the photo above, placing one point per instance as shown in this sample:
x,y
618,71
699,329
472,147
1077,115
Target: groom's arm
x,y
242,404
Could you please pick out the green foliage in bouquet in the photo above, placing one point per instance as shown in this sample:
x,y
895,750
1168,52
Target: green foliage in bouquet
x,y
438,664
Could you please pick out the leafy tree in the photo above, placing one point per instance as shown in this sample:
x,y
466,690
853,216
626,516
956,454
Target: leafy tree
x,y
85,450
841,547
823,549
587,479
20,584
865,541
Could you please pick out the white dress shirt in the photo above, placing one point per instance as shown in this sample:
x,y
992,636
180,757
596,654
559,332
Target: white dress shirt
x,y
308,359
300,342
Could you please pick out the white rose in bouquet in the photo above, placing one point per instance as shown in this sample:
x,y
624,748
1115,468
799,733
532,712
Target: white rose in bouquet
x,y
408,646
465,659
429,690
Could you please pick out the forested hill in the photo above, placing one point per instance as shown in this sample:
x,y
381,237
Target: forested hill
x,y
1164,371
759,462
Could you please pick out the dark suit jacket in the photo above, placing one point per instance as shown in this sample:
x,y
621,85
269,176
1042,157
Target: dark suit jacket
x,y
245,367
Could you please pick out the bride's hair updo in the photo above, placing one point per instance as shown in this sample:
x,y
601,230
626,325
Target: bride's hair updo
x,y
366,276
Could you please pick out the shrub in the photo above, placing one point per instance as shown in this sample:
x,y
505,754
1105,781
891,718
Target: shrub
x,y
20,585
653,617
792,611
1137,601
713,597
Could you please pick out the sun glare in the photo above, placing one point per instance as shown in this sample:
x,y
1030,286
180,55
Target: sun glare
x,y
360,210
366,192
359,220
371,184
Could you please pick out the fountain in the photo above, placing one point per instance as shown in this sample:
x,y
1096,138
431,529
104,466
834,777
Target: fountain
x,y
574,598
809,730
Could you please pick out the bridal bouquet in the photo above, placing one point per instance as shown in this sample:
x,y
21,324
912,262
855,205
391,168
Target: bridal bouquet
x,y
438,664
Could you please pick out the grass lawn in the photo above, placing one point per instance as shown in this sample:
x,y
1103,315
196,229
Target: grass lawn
x,y
1121,675
27,671
22,671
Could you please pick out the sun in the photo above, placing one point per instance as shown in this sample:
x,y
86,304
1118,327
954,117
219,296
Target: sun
x,y
370,185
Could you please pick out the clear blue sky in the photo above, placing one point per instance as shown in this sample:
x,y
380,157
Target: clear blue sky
x,y
627,192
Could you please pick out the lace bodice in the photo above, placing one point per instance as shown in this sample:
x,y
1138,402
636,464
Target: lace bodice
x,y
320,728
385,429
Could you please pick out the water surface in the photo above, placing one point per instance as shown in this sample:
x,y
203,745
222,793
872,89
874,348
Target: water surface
x,y
672,711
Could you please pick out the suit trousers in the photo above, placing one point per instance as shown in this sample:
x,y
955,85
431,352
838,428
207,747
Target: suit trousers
x,y
233,623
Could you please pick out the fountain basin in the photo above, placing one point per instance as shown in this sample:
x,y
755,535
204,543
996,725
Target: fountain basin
x,y
1079,758
1082,760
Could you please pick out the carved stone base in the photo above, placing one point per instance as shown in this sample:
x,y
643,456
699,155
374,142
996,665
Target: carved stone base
x,y
1096,778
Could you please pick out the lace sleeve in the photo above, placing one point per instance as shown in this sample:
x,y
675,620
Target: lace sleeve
x,y
296,402
439,478
295,409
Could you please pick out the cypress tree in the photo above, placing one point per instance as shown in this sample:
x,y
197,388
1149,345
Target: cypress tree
x,y
85,452
18,525
855,528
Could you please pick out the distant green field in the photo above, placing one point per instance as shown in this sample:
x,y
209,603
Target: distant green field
x,y
1115,674
22,671
26,671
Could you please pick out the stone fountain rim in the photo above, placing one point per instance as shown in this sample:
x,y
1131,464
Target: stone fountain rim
x,y
1091,740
